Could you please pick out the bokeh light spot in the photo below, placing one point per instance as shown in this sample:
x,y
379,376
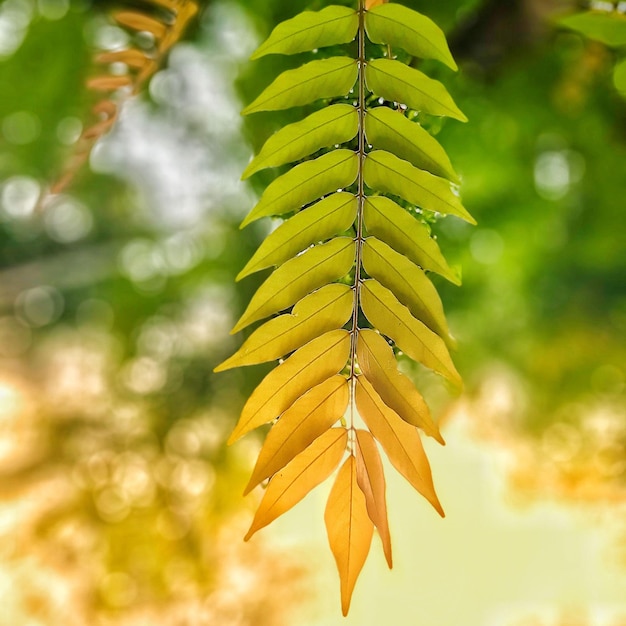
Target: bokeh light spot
x,y
53,9
69,130
39,306
118,589
486,246
67,221
21,128
19,196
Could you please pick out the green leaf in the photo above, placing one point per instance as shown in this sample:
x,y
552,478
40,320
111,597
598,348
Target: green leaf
x,y
396,82
325,78
404,28
380,368
305,183
311,365
326,309
619,77
304,421
387,173
609,28
390,130
407,235
292,281
393,319
309,30
330,216
332,125
408,283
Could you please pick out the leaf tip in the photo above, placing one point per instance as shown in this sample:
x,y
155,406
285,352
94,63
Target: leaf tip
x,y
389,559
242,274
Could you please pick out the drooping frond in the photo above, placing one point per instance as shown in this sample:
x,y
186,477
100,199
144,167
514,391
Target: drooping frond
x,y
124,73
351,263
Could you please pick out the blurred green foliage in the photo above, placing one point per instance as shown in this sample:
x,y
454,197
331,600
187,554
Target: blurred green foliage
x,y
115,310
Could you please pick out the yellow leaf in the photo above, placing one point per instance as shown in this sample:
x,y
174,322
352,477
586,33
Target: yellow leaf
x,y
391,223
310,365
379,366
326,218
407,282
400,441
308,417
395,321
371,479
301,475
306,183
297,277
349,529
326,309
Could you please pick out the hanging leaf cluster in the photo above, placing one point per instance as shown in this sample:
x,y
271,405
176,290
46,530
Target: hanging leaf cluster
x,y
351,280
162,22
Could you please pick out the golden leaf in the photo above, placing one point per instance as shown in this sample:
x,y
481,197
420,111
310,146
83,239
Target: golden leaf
x,y
109,83
349,529
370,4
379,366
371,479
131,57
318,360
301,475
308,417
140,22
400,441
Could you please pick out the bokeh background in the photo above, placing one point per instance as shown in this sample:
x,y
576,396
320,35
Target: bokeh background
x,y
120,504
